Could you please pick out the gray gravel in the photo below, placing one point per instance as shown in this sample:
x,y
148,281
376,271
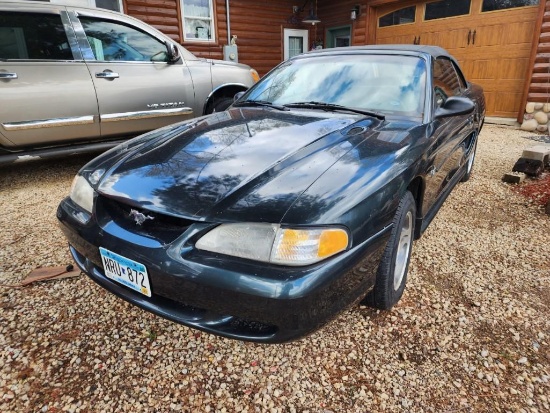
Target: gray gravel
x,y
471,334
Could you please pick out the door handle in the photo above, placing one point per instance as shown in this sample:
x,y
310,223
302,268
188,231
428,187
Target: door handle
x,y
469,36
418,40
474,38
4,75
414,41
107,74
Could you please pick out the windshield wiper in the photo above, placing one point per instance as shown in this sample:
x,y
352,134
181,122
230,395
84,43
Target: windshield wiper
x,y
333,107
259,103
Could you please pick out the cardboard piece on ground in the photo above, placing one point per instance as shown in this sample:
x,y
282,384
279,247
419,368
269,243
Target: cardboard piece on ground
x,y
49,273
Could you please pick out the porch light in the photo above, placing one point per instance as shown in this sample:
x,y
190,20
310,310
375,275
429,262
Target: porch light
x,y
312,17
355,13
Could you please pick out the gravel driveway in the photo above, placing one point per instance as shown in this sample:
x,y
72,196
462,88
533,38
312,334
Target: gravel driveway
x,y
471,334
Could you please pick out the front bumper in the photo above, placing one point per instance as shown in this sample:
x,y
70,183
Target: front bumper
x,y
222,295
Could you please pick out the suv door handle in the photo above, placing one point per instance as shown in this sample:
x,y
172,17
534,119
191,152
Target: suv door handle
x,y
107,74
5,75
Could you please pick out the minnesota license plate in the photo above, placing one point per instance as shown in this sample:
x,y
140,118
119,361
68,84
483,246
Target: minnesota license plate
x,y
125,271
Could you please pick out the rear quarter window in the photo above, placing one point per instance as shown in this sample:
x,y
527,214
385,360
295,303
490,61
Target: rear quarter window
x,y
34,36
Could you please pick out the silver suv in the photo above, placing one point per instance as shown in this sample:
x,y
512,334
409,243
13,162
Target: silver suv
x,y
77,79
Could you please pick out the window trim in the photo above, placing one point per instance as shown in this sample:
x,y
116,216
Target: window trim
x,y
91,4
213,25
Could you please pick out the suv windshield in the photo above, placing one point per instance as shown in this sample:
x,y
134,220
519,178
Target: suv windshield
x,y
392,85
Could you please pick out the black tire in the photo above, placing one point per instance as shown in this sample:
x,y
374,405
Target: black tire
x,y
470,163
221,104
391,277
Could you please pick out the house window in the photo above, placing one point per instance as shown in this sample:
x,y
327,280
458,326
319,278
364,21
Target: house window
x,y
402,16
492,5
446,8
198,22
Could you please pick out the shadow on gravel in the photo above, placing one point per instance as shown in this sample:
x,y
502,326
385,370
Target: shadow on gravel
x,y
42,171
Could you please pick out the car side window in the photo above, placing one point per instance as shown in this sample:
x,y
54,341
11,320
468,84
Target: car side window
x,y
114,41
35,36
446,81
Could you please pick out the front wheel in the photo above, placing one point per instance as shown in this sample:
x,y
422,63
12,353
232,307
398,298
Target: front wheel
x,y
391,277
221,104
470,163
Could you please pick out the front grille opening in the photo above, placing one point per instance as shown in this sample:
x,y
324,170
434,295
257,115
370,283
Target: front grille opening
x,y
252,328
222,324
162,227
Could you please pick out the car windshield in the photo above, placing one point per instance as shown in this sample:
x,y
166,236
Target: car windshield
x,y
389,84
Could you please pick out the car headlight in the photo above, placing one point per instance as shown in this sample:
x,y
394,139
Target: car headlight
x,y
273,244
82,193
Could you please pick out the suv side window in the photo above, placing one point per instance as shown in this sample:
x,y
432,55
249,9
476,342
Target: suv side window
x,y
113,41
36,36
446,81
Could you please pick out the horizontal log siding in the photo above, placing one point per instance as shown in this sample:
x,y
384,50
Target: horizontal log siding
x,y
539,88
336,14
259,26
161,14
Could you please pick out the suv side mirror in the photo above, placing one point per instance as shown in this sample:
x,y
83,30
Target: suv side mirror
x,y
172,51
454,106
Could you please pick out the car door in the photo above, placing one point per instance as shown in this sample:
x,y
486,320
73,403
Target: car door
x,y
447,150
137,88
46,92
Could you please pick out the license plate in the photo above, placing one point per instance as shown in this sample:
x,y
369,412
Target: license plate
x,y
125,271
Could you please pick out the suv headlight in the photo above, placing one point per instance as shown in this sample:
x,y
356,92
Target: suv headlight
x,y
273,244
82,193
255,75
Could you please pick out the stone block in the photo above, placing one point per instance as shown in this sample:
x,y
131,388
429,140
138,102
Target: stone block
x,y
530,107
539,106
542,128
531,167
546,107
530,125
514,177
537,153
541,118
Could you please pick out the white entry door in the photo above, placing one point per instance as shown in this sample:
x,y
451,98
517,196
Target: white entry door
x,y
295,42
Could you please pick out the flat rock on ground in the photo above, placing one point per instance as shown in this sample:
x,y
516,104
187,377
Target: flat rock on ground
x,y
471,334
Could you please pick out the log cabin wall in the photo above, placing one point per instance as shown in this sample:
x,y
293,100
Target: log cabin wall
x,y
537,93
259,27
337,14
164,15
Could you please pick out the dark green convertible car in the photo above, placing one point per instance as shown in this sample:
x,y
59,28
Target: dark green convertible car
x,y
265,221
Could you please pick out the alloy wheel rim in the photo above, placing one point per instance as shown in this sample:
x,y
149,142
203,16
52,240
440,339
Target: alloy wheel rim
x,y
403,251
471,159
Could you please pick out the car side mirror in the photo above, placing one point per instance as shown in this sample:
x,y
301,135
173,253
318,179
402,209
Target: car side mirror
x,y
455,106
172,51
238,95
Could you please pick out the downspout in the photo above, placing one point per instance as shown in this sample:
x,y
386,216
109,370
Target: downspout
x,y
228,20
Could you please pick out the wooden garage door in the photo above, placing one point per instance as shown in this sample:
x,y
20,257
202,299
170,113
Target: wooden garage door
x,y
490,39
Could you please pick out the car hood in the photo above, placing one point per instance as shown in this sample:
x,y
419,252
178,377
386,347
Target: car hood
x,y
245,163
